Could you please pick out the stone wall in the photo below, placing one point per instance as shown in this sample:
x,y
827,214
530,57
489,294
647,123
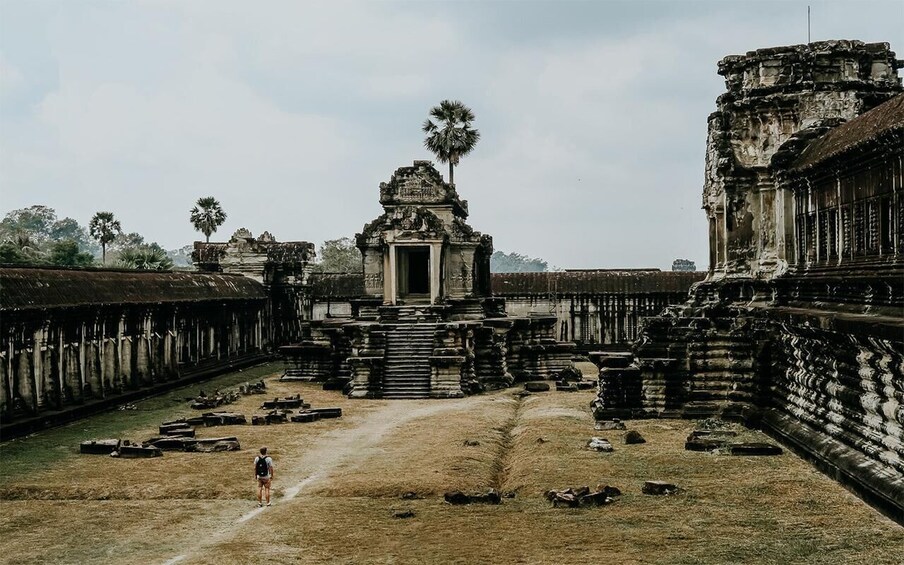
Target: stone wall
x,y
599,309
283,268
78,340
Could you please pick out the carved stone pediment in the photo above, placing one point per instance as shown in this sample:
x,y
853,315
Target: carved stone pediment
x,y
404,219
421,185
241,234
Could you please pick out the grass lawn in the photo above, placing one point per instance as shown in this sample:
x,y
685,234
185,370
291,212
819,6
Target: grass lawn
x,y
338,483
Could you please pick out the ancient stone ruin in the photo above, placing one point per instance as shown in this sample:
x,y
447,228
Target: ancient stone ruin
x,y
426,324
798,327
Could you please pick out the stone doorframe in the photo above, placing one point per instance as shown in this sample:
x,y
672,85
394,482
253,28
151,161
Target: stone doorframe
x,y
390,265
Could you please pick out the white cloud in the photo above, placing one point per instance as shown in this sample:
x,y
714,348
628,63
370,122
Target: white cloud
x,y
293,113
10,76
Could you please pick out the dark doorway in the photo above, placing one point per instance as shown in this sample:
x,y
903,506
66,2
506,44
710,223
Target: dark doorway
x,y
414,272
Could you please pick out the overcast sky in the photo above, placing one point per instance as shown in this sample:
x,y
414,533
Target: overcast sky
x,y
592,115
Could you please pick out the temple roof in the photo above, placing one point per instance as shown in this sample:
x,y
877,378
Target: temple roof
x,y
53,287
854,133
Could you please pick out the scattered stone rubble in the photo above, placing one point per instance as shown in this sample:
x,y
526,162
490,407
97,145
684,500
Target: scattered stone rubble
x,y
205,402
600,444
659,488
634,437
285,403
492,496
281,412
713,435
582,496
572,380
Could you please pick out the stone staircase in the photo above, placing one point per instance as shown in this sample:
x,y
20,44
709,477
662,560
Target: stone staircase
x,y
407,366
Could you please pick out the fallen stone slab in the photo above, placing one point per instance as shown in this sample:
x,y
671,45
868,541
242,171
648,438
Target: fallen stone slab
x,y
283,403
705,443
305,417
170,443
634,437
565,499
213,445
224,419
659,488
566,387
570,374
327,412
585,385
132,451
583,496
167,427
712,433
536,386
402,514
274,417
598,498
180,432
600,444
195,421
253,388
613,424
754,448
411,495
99,446
458,497
609,490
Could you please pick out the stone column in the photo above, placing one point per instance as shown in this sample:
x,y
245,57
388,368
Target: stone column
x,y
393,283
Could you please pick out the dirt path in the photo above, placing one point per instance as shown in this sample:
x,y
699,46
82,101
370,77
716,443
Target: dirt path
x,y
341,447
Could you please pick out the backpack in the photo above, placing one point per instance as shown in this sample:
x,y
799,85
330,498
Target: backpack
x,y
261,467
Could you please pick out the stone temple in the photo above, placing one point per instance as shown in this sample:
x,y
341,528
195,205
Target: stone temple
x,y
796,328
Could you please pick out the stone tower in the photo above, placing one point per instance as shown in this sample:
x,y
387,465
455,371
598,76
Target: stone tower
x,y
421,250
773,96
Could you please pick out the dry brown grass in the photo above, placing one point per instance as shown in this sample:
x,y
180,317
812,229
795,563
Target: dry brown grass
x,y
348,474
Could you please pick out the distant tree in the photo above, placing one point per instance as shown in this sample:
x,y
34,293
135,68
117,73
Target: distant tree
x,y
181,257
340,256
35,221
516,263
104,228
33,230
12,255
452,137
207,215
683,265
145,257
67,254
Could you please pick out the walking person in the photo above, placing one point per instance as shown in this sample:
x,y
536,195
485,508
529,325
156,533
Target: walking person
x,y
263,472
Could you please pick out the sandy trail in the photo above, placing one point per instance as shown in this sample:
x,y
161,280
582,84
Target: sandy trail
x,y
340,447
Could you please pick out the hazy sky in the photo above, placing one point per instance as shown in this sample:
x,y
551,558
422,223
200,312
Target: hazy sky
x,y
592,114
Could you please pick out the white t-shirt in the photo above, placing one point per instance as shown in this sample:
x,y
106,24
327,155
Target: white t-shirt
x,y
270,467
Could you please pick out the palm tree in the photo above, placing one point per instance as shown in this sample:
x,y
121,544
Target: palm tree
x,y
452,137
207,216
104,228
145,258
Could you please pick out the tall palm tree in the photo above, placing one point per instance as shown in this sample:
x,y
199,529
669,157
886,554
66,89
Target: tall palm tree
x,y
207,216
452,137
104,228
